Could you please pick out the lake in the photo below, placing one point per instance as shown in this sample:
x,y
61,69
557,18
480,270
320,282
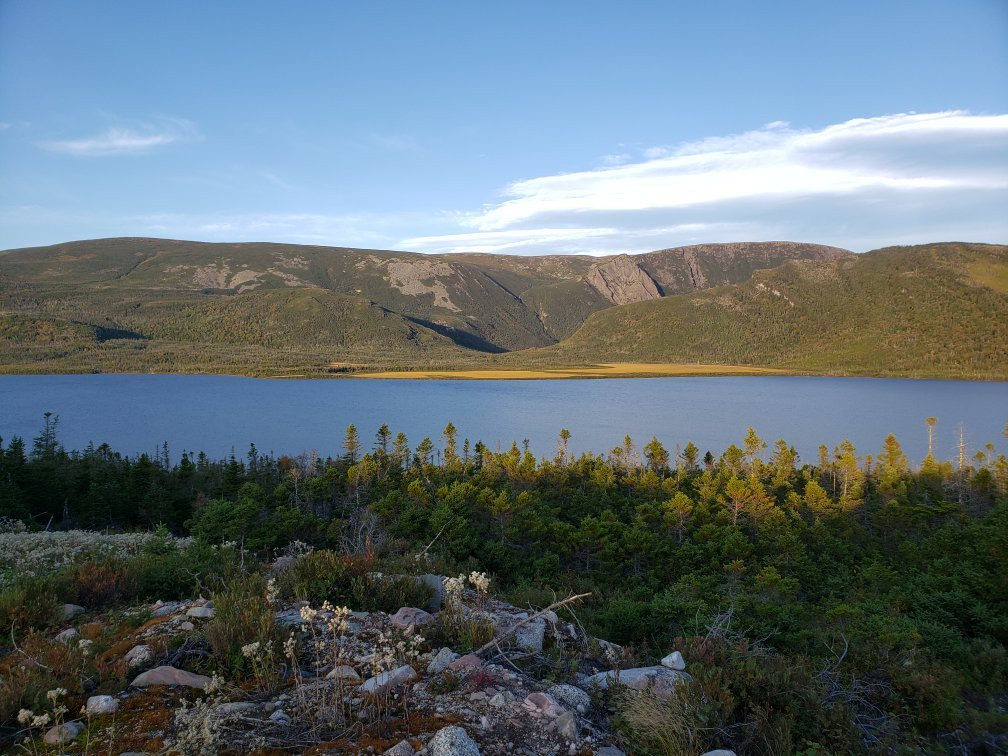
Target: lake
x,y
215,414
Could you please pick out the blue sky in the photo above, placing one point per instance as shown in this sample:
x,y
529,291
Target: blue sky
x,y
522,127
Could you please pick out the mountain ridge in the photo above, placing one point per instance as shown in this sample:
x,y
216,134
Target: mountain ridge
x,y
281,309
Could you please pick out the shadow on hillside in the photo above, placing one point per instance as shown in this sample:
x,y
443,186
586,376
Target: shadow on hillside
x,y
463,339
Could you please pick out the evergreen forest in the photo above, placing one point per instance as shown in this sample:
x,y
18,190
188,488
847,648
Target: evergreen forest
x,y
854,602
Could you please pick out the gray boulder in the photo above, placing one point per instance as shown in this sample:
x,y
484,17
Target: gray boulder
x,y
163,609
441,660
398,676
661,679
63,733
674,661
402,748
166,675
571,697
100,705
343,672
138,656
452,741
566,726
543,705
531,635
409,616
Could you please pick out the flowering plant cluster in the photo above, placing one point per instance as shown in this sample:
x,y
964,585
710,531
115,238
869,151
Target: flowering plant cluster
x,y
454,588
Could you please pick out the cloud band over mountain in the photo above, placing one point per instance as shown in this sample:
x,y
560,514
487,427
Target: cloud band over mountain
x,y
865,182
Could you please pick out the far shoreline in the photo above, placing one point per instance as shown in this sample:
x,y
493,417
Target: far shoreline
x,y
582,372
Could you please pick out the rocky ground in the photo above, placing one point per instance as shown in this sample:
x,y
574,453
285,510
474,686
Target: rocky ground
x,y
354,682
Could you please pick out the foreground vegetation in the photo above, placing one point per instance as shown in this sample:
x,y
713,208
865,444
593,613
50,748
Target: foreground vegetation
x,y
858,603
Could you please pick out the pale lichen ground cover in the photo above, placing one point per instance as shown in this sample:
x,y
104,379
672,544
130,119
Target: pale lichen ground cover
x,y
26,554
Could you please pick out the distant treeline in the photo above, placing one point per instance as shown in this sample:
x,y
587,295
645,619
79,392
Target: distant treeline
x,y
873,592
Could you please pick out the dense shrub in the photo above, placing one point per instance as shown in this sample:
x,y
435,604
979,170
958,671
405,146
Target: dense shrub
x,y
243,615
323,575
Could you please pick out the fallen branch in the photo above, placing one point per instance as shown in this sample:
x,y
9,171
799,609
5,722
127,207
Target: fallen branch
x,y
512,630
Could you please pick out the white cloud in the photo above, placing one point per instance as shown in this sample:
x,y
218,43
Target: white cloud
x,y
894,179
125,141
775,161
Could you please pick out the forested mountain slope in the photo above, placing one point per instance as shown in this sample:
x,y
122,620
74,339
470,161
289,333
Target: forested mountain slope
x,y
155,304
936,310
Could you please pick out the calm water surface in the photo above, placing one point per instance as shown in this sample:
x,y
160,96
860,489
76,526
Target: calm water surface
x,y
136,413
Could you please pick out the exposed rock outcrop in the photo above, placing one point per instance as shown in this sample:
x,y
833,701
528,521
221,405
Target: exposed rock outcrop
x,y
622,281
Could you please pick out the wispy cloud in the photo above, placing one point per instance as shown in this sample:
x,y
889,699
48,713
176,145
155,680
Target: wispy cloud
x,y
872,181
125,140
363,230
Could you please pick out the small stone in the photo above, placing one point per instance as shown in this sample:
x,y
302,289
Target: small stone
x,y
201,612
498,701
280,717
166,675
674,661
609,751
187,626
233,707
69,611
485,722
166,608
63,733
479,695
65,636
452,741
100,705
343,672
571,697
719,752
566,726
543,704
408,617
138,656
441,661
466,662
385,680
402,748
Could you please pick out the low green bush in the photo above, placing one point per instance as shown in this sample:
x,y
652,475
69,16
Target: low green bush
x,y
388,593
243,615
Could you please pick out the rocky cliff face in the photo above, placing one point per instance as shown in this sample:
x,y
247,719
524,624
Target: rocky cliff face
x,y
680,270
622,281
